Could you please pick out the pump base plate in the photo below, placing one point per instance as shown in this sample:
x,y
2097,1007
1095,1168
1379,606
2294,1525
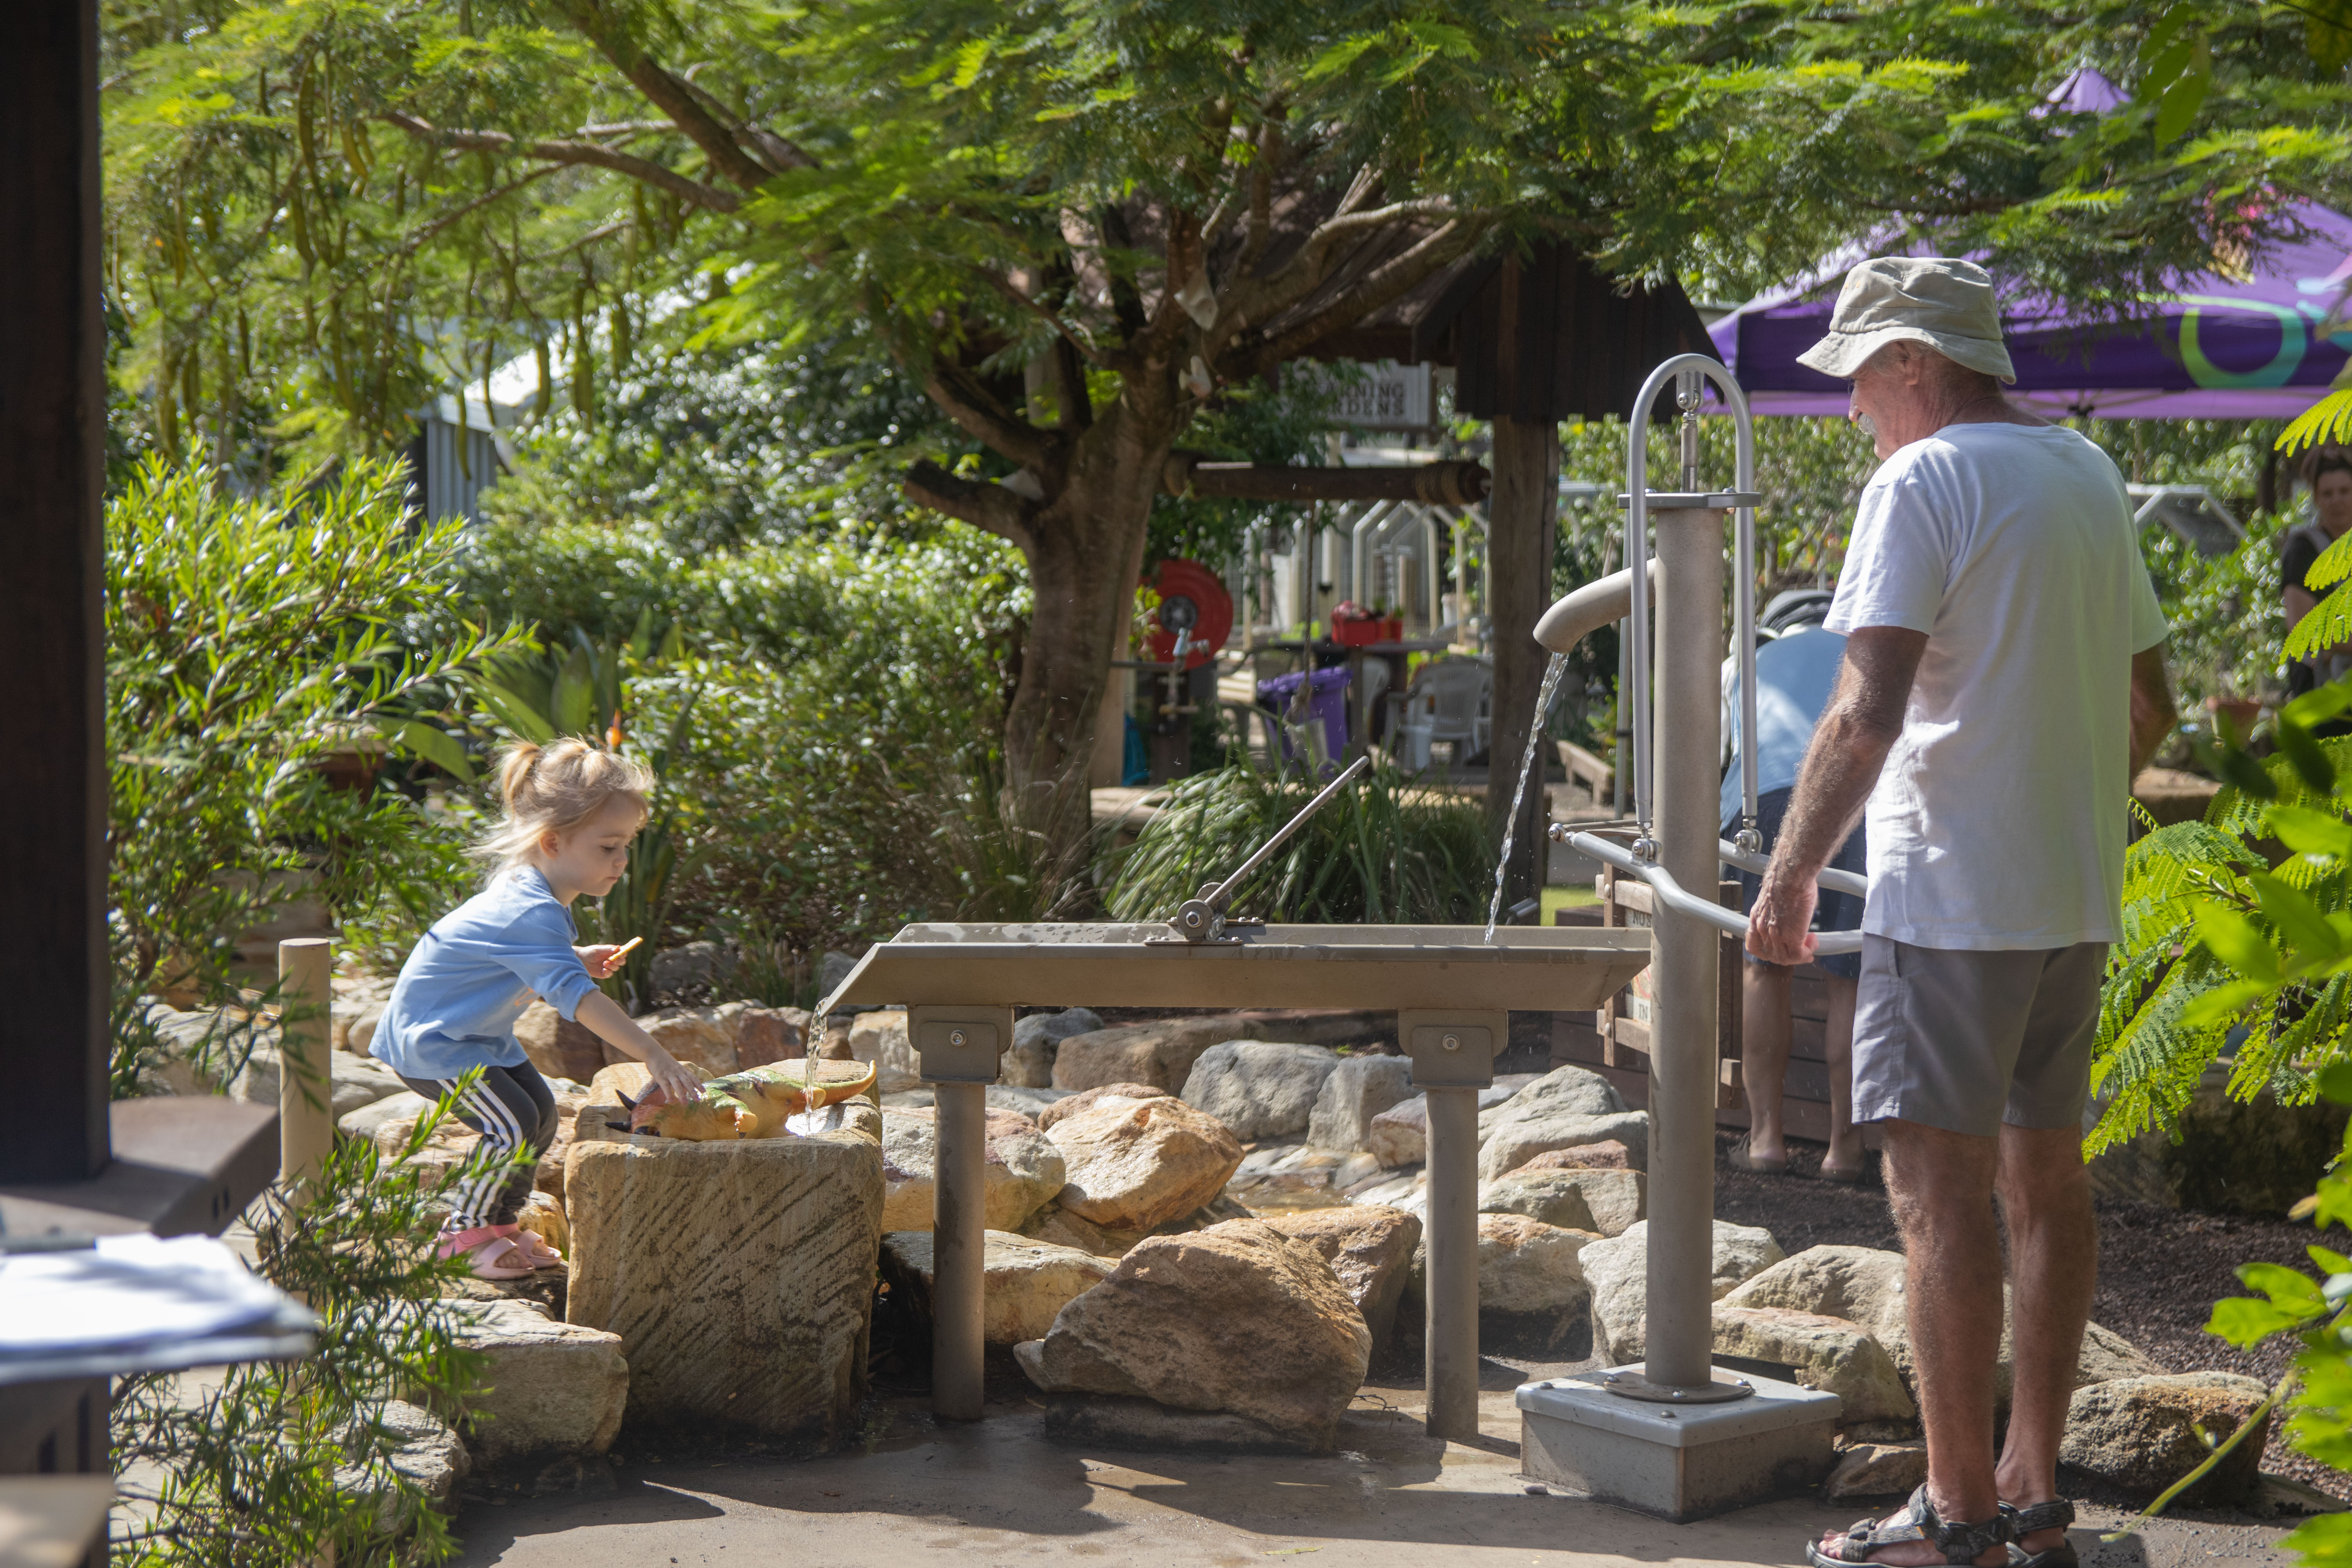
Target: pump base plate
x,y
1677,1461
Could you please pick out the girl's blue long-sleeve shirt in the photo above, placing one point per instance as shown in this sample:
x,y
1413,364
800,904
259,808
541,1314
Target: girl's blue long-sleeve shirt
x,y
459,993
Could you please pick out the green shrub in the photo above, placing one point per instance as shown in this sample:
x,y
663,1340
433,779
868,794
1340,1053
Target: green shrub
x,y
1379,851
248,639
287,1462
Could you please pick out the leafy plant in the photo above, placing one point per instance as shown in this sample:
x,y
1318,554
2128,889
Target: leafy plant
x,y
2216,937
1378,851
249,641
292,1461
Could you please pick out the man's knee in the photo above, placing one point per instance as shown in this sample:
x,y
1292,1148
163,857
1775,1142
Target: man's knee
x,y
1934,1176
2042,1171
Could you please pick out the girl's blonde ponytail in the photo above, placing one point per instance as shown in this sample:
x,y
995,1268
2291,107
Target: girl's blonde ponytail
x,y
555,788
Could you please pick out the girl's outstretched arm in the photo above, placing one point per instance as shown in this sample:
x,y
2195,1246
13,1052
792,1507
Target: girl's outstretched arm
x,y
602,1017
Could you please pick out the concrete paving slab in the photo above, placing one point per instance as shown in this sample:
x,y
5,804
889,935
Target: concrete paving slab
x,y
999,1492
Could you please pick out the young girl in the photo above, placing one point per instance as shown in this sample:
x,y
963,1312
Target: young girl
x,y
571,811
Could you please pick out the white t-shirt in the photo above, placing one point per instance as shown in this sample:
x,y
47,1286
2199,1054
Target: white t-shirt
x,y
1999,821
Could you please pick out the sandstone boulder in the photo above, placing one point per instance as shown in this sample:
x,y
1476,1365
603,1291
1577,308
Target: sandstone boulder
x,y
765,1034
1532,1292
557,1045
698,1036
1828,1354
363,1123
1024,1170
1259,1088
1399,1136
1370,1249
552,1388
2142,1434
1614,1201
1055,1225
1606,1156
1029,1060
1877,1469
1567,1108
1352,1096
1137,1164
1616,1268
1237,1319
1160,1053
739,1276
880,1036
419,1448
353,1082
1072,1103
1026,1282
1030,1102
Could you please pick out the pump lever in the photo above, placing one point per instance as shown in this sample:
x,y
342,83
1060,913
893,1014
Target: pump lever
x,y
1204,919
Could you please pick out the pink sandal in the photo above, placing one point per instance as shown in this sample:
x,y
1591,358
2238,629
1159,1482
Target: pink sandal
x,y
493,1248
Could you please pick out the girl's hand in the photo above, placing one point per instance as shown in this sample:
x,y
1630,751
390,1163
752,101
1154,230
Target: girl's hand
x,y
678,1086
603,960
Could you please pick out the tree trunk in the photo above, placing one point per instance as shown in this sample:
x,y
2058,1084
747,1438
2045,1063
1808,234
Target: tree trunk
x,y
1086,555
1521,515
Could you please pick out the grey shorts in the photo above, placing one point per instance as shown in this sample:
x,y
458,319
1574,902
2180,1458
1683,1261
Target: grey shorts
x,y
1967,1041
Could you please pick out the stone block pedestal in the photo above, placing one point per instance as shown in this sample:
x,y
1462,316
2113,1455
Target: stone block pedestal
x,y
1679,1462
738,1275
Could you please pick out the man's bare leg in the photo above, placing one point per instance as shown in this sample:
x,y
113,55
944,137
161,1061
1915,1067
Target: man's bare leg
x,y
2053,1248
1764,1054
1845,1138
1941,1183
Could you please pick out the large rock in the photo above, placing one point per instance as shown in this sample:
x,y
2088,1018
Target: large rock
x,y
1876,1469
738,1275
1867,1287
1398,1134
363,1123
552,1389
1616,1268
557,1045
1238,1318
765,1034
1032,1103
1259,1088
693,972
1828,1354
354,1082
1370,1248
1613,1202
1135,1164
1055,1225
1532,1292
1026,1282
880,1036
420,1449
1609,1156
1353,1096
1073,1102
1029,1060
1023,1171
2142,1434
1566,1107
1160,1053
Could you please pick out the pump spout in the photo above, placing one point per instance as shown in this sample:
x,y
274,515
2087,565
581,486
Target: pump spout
x,y
1590,607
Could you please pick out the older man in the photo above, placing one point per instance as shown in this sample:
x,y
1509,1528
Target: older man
x,y
2003,682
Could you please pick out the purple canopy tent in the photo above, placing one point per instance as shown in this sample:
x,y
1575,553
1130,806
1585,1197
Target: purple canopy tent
x,y
2262,347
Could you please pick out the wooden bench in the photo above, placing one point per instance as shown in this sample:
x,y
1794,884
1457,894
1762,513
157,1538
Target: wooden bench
x,y
1590,770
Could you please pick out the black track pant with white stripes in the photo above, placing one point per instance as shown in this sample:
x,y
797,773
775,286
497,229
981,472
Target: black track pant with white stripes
x,y
513,1110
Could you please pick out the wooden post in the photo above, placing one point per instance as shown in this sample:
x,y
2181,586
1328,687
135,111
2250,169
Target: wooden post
x,y
305,1090
1521,515
52,464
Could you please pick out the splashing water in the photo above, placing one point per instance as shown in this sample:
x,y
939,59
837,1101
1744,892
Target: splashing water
x,y
1552,672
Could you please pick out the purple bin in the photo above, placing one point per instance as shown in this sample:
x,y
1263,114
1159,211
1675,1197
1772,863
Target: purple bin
x,y
1327,703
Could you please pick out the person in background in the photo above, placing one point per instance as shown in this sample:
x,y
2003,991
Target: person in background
x,y
1796,666
2331,505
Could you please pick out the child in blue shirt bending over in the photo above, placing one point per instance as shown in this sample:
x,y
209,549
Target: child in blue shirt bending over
x,y
571,811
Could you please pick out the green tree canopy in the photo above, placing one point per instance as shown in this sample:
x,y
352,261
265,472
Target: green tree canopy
x,y
1077,225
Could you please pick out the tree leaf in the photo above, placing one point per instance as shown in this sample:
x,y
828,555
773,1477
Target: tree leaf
x,y
436,746
2292,910
2237,941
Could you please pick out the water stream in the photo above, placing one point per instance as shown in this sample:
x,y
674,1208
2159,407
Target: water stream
x,y
1552,672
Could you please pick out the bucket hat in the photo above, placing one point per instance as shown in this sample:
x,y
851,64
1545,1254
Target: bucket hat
x,y
1939,301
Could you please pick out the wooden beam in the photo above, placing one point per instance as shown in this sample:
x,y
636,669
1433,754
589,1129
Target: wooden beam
x,y
1432,484
53,1034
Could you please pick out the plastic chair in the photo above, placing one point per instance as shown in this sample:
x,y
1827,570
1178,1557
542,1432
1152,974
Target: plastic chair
x,y
1455,698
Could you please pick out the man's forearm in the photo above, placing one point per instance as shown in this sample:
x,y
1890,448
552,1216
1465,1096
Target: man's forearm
x,y
2152,712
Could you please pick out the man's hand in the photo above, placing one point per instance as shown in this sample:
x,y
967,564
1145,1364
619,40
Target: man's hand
x,y
1779,926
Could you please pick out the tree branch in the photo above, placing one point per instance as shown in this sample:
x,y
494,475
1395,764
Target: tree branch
x,y
1011,291
666,93
961,398
1384,283
772,151
577,152
989,507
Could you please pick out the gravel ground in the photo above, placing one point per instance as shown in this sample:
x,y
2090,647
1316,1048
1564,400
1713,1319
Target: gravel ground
x,y
2160,1270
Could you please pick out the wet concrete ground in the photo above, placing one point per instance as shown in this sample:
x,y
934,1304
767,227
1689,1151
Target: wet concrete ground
x,y
999,1492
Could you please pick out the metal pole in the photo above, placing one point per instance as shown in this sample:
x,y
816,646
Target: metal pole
x,y
1682,1036
306,1113
1451,1366
959,1247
